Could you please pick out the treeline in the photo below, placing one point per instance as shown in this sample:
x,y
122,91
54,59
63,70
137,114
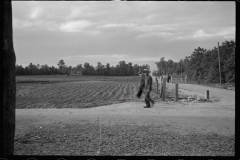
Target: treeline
x,y
203,65
121,69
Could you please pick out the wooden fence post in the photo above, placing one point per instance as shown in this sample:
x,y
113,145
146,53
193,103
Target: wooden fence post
x,y
160,88
176,92
163,89
207,94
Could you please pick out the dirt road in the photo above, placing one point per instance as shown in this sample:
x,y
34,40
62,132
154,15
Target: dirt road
x,y
210,124
227,96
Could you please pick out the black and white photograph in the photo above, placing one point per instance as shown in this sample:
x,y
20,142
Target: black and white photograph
x,y
119,78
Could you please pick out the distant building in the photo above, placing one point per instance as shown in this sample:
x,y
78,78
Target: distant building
x,y
76,72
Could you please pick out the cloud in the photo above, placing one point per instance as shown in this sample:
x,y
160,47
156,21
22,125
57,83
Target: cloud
x,y
21,24
139,27
228,31
140,30
154,30
113,25
201,34
75,26
155,34
96,56
35,13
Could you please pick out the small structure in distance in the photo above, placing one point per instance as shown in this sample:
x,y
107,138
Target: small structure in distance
x,y
76,72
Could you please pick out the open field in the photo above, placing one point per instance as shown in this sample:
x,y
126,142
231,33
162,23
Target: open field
x,y
79,92
121,126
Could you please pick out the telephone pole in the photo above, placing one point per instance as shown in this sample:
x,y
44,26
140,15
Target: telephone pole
x,y
219,65
181,68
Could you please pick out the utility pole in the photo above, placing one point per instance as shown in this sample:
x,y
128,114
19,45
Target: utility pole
x,y
219,65
181,68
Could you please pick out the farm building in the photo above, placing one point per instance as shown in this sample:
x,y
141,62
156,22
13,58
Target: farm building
x,y
76,72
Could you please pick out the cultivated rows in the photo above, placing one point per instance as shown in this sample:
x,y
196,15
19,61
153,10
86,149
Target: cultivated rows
x,y
77,95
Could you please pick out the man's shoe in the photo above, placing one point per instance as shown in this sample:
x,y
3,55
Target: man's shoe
x,y
147,107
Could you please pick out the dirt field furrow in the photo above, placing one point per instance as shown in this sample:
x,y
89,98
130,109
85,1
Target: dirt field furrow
x,y
109,93
117,92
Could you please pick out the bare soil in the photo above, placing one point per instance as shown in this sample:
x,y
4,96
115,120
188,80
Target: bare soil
x,y
168,128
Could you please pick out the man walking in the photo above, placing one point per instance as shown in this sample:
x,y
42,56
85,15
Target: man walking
x,y
147,88
168,78
141,84
186,79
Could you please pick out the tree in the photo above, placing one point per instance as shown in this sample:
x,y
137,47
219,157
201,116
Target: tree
x,y
98,68
122,68
135,69
9,83
227,56
38,68
161,65
20,70
202,66
130,69
64,69
91,70
86,68
79,67
107,69
229,65
69,69
61,65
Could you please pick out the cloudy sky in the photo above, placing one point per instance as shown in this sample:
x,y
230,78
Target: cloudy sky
x,y
108,32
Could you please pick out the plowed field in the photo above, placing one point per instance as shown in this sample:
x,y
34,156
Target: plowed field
x,y
80,92
75,94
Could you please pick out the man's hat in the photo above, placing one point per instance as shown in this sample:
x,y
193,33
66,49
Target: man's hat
x,y
146,70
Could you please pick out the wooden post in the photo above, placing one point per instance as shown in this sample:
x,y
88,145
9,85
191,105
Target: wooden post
x,y
219,65
207,94
157,85
160,88
164,88
176,92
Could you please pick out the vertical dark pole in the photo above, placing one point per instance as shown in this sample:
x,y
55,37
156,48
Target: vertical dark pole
x,y
157,85
207,94
164,89
161,86
9,83
176,92
181,69
219,65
